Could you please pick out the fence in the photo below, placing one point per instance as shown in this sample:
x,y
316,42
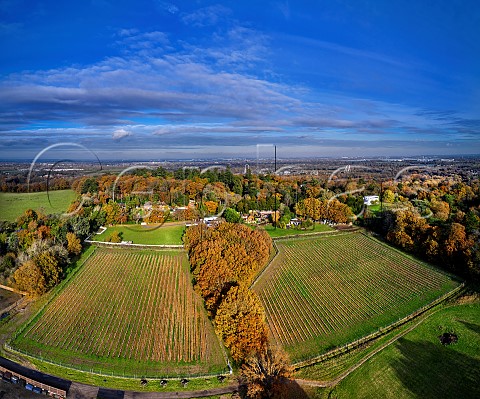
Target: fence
x,y
173,373
124,245
380,332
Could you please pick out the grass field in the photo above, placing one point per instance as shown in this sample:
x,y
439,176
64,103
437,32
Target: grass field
x,y
127,313
322,292
167,234
12,205
419,366
273,232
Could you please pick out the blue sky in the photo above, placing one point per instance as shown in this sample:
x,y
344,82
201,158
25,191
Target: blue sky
x,y
159,80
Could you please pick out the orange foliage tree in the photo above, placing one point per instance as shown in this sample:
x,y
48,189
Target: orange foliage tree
x,y
240,321
224,260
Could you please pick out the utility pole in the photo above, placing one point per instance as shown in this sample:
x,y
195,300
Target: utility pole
x,y
381,197
275,192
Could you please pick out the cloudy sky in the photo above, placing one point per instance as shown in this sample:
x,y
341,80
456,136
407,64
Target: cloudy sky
x,y
154,79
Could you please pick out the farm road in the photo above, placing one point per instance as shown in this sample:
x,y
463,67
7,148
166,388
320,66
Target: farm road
x,y
82,391
77,390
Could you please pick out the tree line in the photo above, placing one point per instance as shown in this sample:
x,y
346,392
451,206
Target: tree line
x,y
435,219
224,261
37,249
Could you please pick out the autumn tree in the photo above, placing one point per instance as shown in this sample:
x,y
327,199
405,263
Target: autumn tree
x,y
408,229
240,321
49,268
440,209
211,207
156,215
457,247
29,278
74,245
114,213
388,196
267,374
115,237
335,211
309,207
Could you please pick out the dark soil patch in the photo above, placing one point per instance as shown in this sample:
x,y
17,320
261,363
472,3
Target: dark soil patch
x,y
448,338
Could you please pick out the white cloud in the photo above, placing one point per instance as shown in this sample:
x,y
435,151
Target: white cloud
x,y
166,6
191,95
120,134
206,16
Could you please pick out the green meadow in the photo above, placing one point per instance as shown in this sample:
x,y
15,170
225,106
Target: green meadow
x,y
166,234
12,205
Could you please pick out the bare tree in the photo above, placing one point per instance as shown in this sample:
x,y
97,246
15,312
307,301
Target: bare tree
x,y
267,374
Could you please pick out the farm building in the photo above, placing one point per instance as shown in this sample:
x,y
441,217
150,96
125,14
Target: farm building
x,y
371,199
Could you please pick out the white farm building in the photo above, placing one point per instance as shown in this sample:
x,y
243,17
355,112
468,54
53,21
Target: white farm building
x,y
371,199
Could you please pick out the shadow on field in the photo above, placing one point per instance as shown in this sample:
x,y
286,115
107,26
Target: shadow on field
x,y
295,391
432,371
104,393
471,326
291,390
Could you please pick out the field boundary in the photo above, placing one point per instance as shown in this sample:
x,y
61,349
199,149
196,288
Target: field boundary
x,y
351,369
59,288
262,272
124,245
380,332
316,233
173,372
134,376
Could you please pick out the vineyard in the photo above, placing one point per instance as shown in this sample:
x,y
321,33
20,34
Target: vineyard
x,y
320,293
127,313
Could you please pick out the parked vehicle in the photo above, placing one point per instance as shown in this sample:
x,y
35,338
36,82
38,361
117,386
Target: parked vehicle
x,y
37,390
7,376
14,379
29,387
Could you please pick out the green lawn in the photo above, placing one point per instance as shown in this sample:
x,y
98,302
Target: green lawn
x,y
419,366
167,234
12,205
277,232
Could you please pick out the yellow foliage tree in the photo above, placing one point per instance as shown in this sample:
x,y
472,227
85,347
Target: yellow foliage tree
x,y
211,207
240,321
74,245
29,278
49,268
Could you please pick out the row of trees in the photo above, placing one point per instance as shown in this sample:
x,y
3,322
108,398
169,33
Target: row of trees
x,y
437,219
224,260
450,244
330,210
36,250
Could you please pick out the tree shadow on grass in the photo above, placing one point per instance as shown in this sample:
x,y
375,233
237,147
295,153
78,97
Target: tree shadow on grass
x,y
291,390
433,371
105,393
294,390
471,326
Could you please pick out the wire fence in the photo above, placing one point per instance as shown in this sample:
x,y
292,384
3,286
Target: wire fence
x,y
380,332
163,373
